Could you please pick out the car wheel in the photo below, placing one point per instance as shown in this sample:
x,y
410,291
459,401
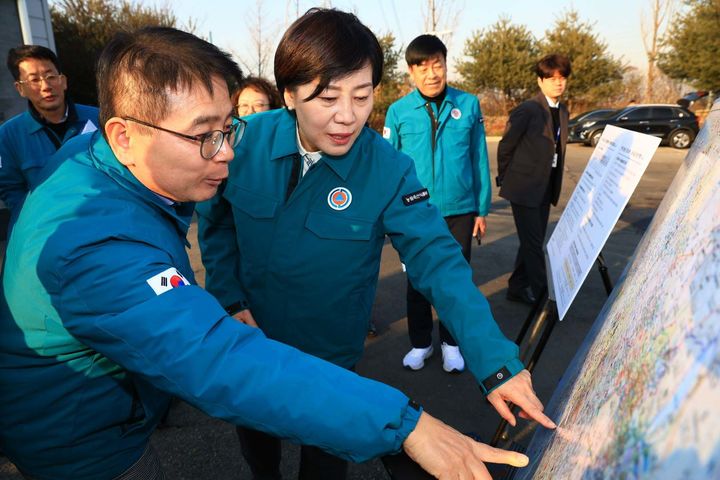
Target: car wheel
x,y
681,138
595,137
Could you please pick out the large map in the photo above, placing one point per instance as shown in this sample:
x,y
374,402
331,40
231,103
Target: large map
x,y
641,398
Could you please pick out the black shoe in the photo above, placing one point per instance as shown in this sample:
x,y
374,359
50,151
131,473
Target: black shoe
x,y
372,330
523,296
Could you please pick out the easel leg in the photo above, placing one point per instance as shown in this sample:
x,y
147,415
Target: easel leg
x,y
602,267
541,321
540,324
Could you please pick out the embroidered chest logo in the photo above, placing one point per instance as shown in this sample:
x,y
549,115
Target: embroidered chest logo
x,y
339,198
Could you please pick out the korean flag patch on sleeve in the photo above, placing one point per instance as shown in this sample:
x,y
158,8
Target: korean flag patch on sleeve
x,y
167,280
386,133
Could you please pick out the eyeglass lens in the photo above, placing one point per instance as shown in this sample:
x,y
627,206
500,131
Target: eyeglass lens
x,y
49,79
252,106
212,143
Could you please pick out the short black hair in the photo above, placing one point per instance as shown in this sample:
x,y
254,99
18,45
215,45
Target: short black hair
x,y
325,44
549,64
19,54
423,48
136,70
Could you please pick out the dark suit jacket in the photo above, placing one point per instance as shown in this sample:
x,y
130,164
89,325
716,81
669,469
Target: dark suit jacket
x,y
526,151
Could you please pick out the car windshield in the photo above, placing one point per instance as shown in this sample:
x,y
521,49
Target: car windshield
x,y
606,114
592,115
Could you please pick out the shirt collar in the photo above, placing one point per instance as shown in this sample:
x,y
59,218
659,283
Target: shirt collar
x,y
39,121
165,199
551,103
312,157
284,144
419,101
441,96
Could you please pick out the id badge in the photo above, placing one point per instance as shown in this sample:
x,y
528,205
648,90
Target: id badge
x,y
554,164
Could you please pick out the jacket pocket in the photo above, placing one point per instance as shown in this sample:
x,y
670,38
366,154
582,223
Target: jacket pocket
x,y
460,127
253,204
336,227
522,167
459,130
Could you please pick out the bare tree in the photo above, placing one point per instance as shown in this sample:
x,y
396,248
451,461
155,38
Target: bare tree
x,y
292,11
652,28
441,18
262,40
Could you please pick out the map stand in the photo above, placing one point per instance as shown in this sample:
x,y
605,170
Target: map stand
x,y
540,323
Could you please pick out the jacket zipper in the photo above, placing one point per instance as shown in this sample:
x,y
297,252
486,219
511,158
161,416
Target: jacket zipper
x,y
433,129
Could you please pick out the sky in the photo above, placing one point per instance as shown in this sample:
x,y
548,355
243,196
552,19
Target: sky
x,y
225,22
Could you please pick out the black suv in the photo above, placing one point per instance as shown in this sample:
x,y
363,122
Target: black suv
x,y
585,117
675,125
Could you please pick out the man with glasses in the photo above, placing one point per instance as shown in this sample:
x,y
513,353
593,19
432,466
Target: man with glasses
x,y
29,139
108,324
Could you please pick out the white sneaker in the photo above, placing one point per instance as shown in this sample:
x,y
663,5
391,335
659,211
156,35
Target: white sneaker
x,y
415,358
452,359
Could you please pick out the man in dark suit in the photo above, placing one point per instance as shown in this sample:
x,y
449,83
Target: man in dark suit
x,y
530,160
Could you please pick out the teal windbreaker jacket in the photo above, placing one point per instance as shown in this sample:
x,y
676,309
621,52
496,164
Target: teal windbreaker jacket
x,y
451,156
308,267
25,149
106,324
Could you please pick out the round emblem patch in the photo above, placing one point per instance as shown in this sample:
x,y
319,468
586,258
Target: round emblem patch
x,y
456,113
339,198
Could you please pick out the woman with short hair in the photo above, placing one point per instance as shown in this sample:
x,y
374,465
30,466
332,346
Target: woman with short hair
x,y
296,235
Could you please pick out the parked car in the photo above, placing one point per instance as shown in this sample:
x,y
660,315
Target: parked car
x,y
689,100
575,123
675,125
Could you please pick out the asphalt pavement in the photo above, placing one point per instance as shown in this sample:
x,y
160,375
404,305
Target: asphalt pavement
x,y
195,446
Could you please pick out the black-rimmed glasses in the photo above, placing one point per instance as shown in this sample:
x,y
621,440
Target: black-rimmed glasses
x,y
210,142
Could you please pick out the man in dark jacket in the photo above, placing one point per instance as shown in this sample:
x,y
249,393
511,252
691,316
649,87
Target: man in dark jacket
x,y
530,166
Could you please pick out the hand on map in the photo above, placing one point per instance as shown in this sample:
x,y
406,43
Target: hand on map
x,y
519,391
448,454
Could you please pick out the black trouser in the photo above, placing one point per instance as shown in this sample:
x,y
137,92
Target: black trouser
x,y
419,310
531,225
262,452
